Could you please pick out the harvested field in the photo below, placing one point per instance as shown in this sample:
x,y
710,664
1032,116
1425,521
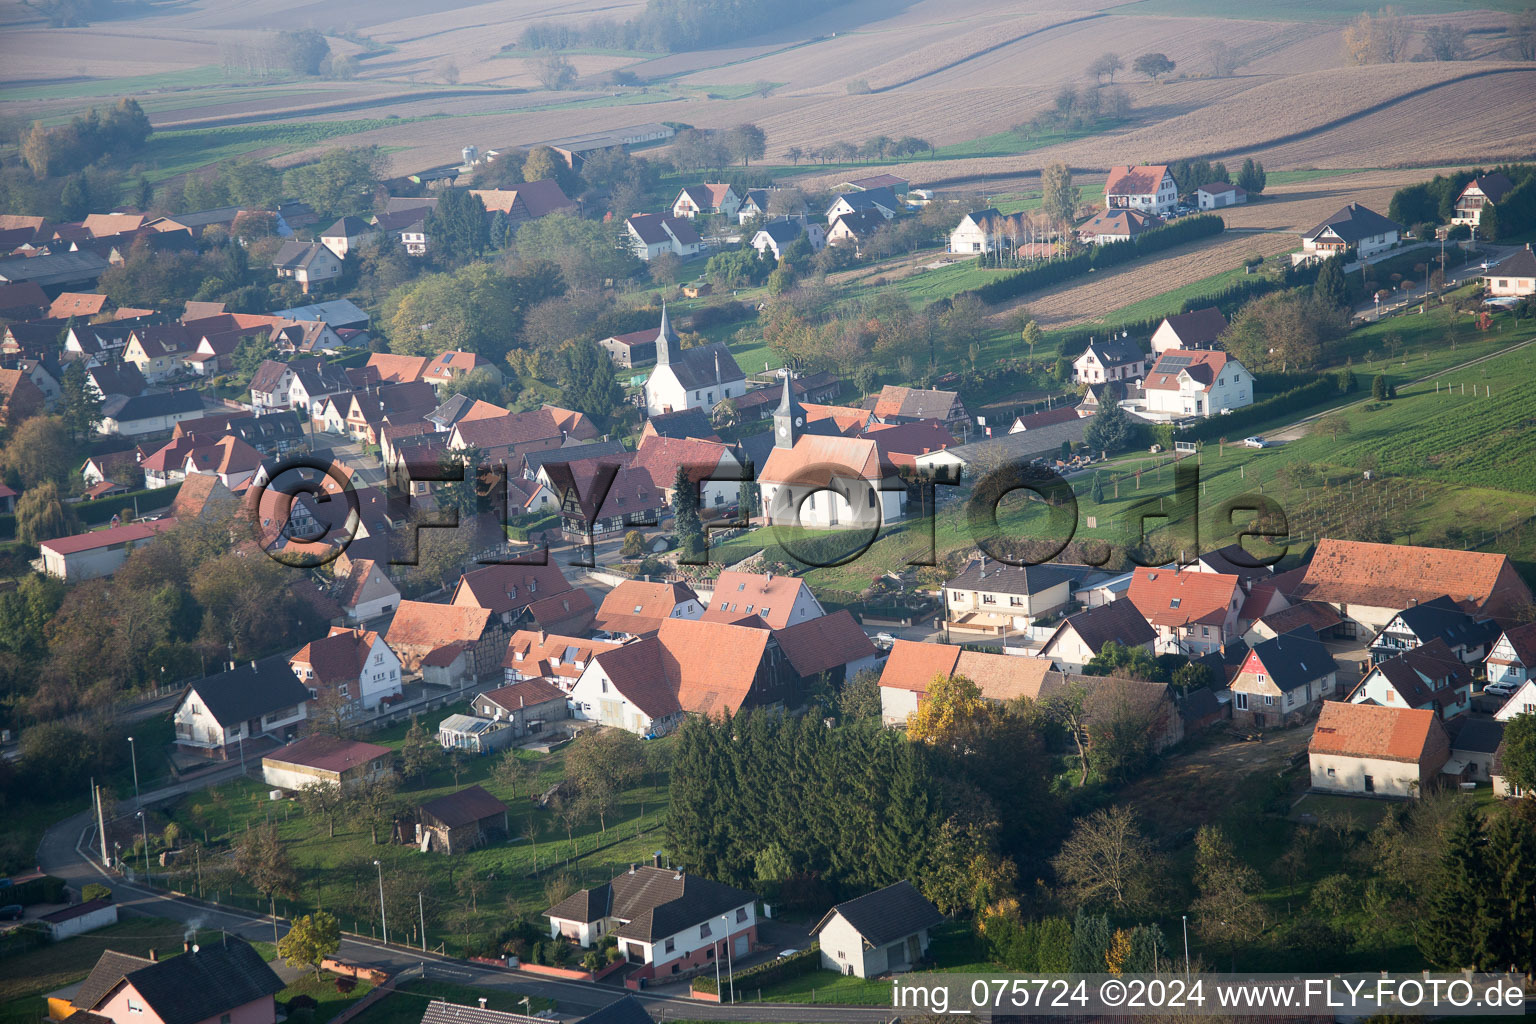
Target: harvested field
x,y
1300,206
1103,292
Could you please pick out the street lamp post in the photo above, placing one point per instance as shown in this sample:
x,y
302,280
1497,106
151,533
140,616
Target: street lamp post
x,y
133,752
144,828
717,977
1185,918
383,922
730,971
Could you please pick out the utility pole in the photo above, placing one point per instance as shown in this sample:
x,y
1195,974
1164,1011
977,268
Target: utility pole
x,y
422,910
101,825
384,923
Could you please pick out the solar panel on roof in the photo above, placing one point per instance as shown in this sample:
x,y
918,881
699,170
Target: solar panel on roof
x,y
1177,362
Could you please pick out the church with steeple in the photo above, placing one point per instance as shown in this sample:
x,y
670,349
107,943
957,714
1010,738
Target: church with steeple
x,y
695,378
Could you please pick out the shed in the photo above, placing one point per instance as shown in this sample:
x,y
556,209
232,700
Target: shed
x,y
80,918
460,821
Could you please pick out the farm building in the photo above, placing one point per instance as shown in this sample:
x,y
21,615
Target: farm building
x,y
1366,750
456,823
325,760
1219,194
79,919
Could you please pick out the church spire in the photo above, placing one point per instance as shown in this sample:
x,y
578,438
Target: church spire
x,y
789,417
664,339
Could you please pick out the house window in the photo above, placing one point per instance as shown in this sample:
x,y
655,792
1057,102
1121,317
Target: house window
x,y
605,685
1240,701
1370,784
841,955
1269,701
134,1006
1290,698
704,930
1331,773
741,914
671,946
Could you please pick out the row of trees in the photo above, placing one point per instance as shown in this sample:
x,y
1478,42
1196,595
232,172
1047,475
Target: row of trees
x,y
879,147
674,25
121,130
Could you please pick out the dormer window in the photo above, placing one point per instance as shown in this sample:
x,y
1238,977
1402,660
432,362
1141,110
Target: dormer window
x,y
1175,602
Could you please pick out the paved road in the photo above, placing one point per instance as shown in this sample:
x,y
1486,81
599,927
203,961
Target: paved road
x,y
65,852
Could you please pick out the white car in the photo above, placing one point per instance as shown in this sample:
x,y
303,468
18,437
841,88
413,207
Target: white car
x,y
1501,689
1255,442
885,638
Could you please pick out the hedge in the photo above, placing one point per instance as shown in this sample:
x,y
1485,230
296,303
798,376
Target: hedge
x,y
520,533
767,975
1099,257
94,513
1290,402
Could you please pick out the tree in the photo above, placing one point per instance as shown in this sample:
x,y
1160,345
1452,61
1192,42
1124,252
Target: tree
x,y
41,515
1097,492
948,714
590,384
420,753
1227,909
75,197
1106,65
310,939
1445,42
1251,177
472,309
603,764
1223,57
1455,926
325,800
1153,65
1330,286
458,226
511,771
261,859
303,52
81,405
1333,425
374,803
1380,38
1288,331
1520,751
860,699
1032,335
554,72
1510,856
340,182
1379,388
747,500
685,515
1107,861
1059,197
746,142
1110,429
1191,676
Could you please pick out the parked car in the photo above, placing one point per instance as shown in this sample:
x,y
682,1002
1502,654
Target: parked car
x,y
12,912
1255,442
786,953
885,639
1501,689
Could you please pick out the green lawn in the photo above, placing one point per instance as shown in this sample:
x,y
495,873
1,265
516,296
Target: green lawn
x,y
329,1001
408,1001
175,152
954,949
337,874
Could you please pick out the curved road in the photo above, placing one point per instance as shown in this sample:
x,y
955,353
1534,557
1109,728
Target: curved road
x,y
66,853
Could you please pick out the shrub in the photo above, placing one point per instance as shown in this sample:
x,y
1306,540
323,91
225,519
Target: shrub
x,y
1240,420
768,974
345,984
301,1002
95,891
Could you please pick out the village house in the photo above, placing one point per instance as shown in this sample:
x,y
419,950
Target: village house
x,y
233,462
1148,189
1512,277
20,397
827,650
1283,680
347,235
635,348
882,931
1109,226
1441,619
989,596
898,404
1368,584
696,378
1197,329
141,415
160,350
1354,227
1521,702
457,822
713,469
531,703
353,668
1484,190
666,921
981,231
444,369
694,200
1475,743
1193,612
87,556
600,496
1080,638
365,591
221,983
856,229
308,263
638,607
653,234
1430,677
1200,383
1512,660
421,628
1367,750
912,668
776,236
778,600
218,714
1219,194
521,593
879,201
1118,358
530,200
322,760
506,439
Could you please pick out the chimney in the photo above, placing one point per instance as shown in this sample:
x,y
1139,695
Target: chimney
x,y
482,1002
632,868
154,956
656,859
253,664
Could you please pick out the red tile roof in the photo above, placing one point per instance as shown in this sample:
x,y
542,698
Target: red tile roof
x,y
336,658
823,643
635,606
1397,575
128,532
1167,597
1134,181
535,653
423,624
1202,365
1367,730
913,666
398,369
328,753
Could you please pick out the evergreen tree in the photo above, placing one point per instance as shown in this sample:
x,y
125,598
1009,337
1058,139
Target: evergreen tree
x,y
1330,285
1379,388
458,226
1520,750
75,198
685,514
1098,488
1512,874
1091,936
144,194
589,383
1251,177
746,499
1110,429
1456,928
82,406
